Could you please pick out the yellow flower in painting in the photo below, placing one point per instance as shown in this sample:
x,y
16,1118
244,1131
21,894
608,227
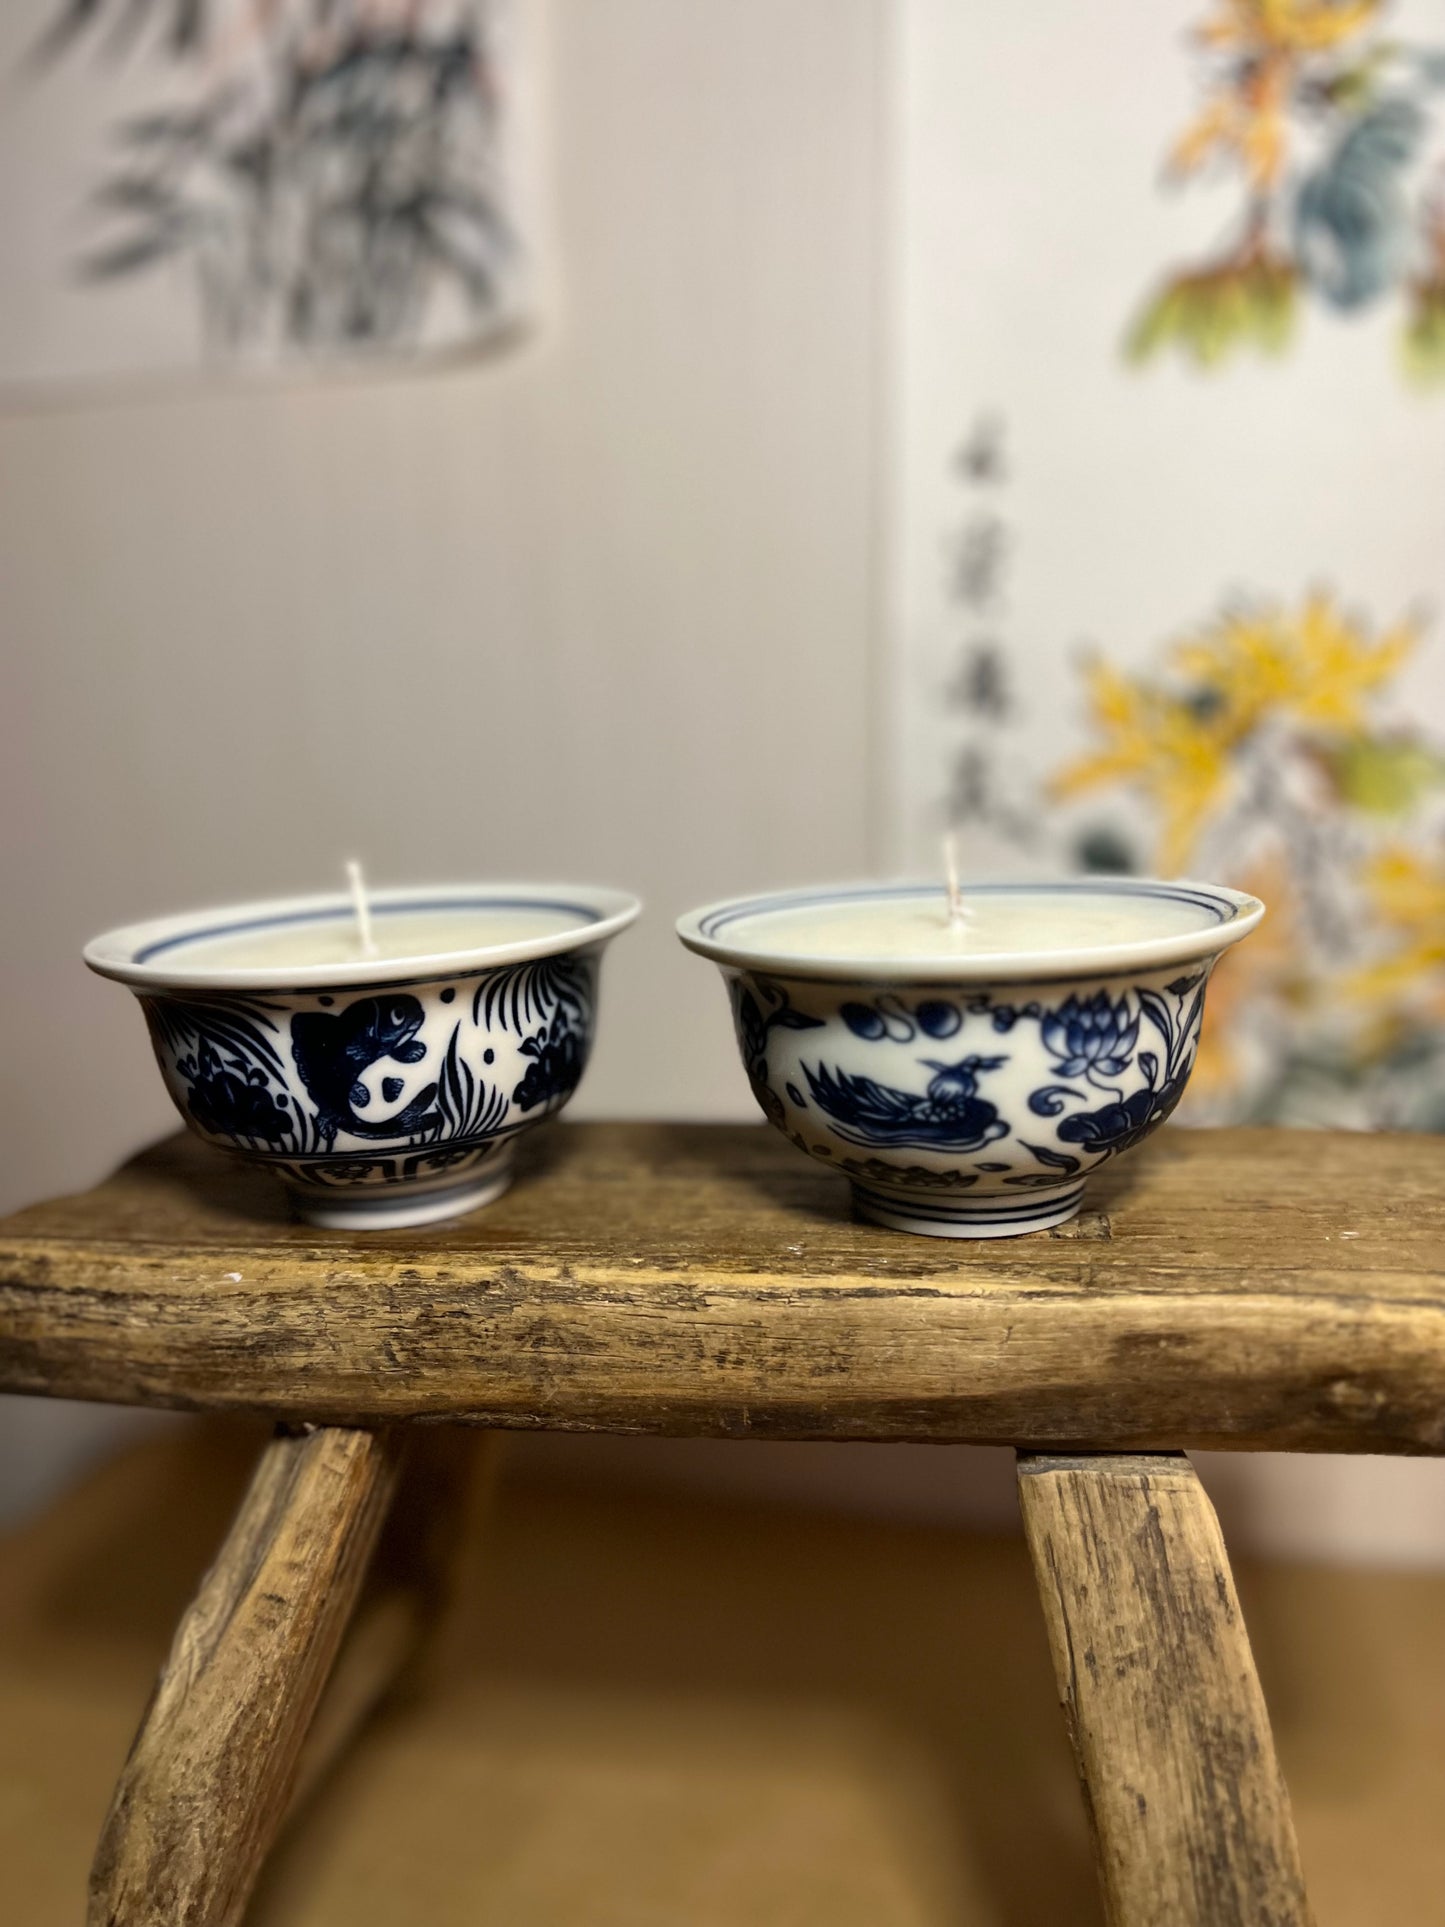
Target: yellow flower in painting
x,y
1257,738
1316,667
1287,26
1245,660
1174,750
1407,893
1248,116
1175,741
1248,119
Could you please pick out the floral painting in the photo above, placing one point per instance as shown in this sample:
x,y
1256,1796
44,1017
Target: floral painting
x,y
1326,123
265,181
1260,746
1176,625
1267,744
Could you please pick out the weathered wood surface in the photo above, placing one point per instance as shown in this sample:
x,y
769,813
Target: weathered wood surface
x,y
1190,1816
214,1763
1249,1288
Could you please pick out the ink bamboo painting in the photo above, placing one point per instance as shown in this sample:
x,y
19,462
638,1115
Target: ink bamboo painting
x,y
294,180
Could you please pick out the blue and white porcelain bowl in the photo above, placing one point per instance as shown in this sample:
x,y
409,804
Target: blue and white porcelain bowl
x,y
383,1091
971,1095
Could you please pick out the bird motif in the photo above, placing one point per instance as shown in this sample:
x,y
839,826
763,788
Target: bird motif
x,y
950,1116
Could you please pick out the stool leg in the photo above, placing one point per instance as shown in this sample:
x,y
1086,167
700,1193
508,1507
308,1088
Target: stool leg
x,y
420,1597
1190,1816
211,1769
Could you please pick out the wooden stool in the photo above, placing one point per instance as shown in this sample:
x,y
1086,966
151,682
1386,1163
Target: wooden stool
x,y
1253,1289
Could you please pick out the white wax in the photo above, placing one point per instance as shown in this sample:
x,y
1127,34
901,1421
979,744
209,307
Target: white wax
x,y
400,933
1033,921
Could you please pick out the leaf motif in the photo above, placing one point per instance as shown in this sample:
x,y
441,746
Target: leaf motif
x,y
1385,776
1196,1012
1057,1160
790,1019
1158,1013
128,256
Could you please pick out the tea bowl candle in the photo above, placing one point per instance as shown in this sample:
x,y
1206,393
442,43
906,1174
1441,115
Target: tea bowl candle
x,y
967,1071
388,1088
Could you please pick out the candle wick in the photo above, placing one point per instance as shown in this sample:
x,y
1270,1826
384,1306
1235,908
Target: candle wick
x,y
958,911
362,907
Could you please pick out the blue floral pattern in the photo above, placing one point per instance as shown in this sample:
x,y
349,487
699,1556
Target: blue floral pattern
x,y
1115,1126
1076,1058
226,1056
556,994
1093,1038
229,1097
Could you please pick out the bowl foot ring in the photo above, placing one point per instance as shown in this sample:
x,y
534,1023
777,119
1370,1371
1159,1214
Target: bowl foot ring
x,y
402,1208
936,1217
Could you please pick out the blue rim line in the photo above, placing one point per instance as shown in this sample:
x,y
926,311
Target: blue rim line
x,y
715,924
343,913
202,992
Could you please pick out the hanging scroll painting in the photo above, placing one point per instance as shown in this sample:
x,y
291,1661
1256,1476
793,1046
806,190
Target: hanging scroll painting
x,y
255,184
1168,496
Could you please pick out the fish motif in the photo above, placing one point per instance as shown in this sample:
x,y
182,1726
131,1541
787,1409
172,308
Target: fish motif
x,y
333,1051
951,1116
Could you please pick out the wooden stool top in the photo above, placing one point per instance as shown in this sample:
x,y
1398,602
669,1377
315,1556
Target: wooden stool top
x,y
1249,1288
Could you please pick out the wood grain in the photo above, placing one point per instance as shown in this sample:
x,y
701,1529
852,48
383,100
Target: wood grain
x,y
1244,1288
1190,1815
212,1768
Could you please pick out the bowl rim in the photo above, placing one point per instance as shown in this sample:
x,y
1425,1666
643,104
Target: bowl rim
x,y
126,952
1236,914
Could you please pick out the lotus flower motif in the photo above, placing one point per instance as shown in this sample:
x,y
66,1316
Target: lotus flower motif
x,y
1091,1037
